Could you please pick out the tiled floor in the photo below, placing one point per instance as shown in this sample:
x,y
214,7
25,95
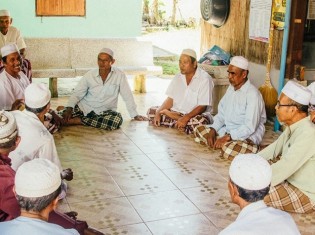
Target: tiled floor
x,y
146,180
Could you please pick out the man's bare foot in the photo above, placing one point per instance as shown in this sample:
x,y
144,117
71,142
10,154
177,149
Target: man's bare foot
x,y
59,108
74,121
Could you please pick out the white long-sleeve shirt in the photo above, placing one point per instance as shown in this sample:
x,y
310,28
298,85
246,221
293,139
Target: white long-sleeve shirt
x,y
256,218
13,36
11,89
241,113
36,141
91,94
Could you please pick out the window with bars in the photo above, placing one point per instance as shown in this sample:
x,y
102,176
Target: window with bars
x,y
60,7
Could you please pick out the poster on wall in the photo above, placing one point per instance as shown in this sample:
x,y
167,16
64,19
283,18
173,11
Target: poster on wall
x,y
278,14
311,10
259,20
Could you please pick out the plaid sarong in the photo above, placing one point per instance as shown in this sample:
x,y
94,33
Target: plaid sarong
x,y
166,121
107,120
286,197
231,148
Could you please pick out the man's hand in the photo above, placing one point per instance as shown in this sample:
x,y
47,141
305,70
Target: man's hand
x,y
140,118
67,115
212,137
18,105
182,122
157,119
222,141
57,119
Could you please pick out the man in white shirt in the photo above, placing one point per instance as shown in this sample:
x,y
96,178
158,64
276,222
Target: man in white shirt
x,y
36,141
12,81
250,177
94,101
239,125
189,97
8,35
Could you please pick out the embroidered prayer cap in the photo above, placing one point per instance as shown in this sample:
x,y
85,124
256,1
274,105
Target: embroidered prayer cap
x,y
297,92
37,178
240,62
4,13
37,95
107,51
189,52
8,127
9,49
250,171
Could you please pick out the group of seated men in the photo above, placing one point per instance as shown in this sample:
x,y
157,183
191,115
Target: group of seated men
x,y
237,128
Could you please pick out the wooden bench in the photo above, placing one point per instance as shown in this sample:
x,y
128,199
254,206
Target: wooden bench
x,y
71,57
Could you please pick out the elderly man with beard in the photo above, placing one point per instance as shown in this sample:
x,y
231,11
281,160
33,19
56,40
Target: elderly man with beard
x,y
239,125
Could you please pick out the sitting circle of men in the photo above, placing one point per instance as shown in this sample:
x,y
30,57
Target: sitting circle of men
x,y
276,177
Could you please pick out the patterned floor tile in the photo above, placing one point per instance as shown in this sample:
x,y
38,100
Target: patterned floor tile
x,y
163,205
194,224
92,188
134,229
140,181
107,213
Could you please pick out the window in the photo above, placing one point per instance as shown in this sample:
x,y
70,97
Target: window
x,y
60,7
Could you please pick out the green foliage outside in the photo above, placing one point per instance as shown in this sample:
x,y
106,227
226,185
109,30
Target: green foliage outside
x,y
170,67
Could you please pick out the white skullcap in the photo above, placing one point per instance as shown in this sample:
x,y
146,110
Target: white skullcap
x,y
4,13
9,49
240,62
37,95
250,171
37,178
107,51
312,101
297,92
189,52
8,128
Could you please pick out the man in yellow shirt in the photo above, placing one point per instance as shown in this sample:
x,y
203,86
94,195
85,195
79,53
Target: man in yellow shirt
x,y
292,155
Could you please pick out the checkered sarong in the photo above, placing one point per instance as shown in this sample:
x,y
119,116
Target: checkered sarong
x,y
230,149
169,122
107,120
286,197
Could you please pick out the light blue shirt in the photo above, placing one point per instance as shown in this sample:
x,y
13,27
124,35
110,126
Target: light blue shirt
x,y
241,113
256,218
25,225
91,94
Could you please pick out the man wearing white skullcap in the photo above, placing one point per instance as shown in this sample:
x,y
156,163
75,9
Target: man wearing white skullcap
x,y
239,125
12,81
250,177
293,154
37,187
94,100
189,97
9,35
9,207
36,141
